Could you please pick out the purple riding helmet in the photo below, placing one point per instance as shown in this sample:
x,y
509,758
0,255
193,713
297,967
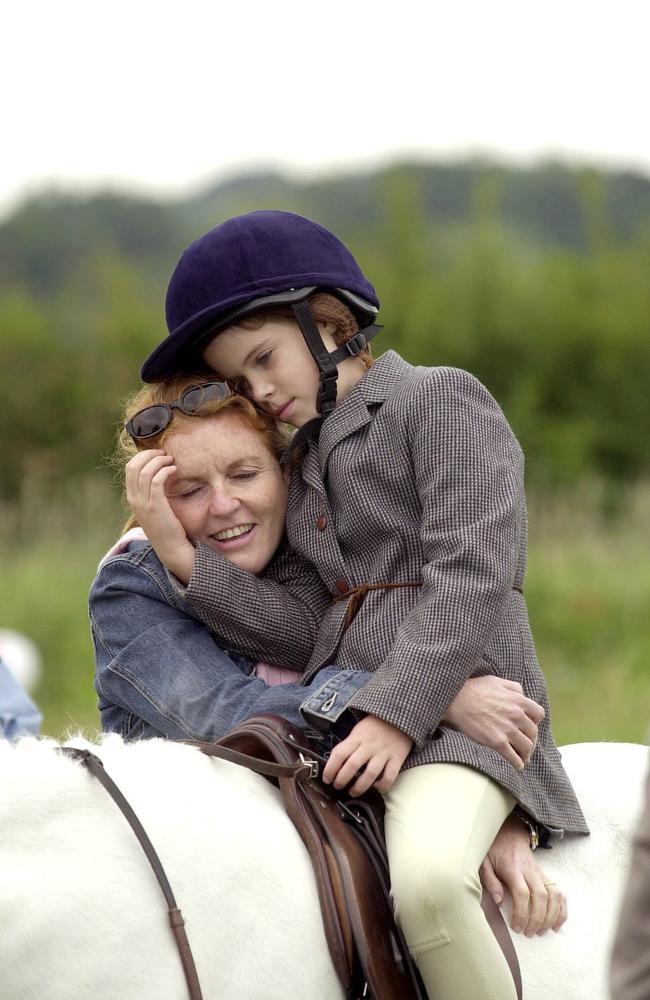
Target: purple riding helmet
x,y
251,262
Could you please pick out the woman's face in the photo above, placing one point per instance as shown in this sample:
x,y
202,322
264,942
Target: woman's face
x,y
228,489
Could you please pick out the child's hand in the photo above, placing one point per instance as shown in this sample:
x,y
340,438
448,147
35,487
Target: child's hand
x,y
374,747
146,475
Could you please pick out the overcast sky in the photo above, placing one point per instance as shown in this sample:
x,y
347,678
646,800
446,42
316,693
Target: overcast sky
x,y
162,96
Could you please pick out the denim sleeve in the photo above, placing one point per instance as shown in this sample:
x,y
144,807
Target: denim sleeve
x,y
160,672
19,715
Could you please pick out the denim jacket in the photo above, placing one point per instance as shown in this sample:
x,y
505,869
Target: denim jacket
x,y
160,672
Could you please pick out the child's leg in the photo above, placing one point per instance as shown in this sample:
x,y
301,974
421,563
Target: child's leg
x,y
440,821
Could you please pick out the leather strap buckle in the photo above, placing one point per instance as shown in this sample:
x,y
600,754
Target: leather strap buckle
x,y
355,345
311,764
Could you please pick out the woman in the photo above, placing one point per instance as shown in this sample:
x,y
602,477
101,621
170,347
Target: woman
x,y
412,499
159,671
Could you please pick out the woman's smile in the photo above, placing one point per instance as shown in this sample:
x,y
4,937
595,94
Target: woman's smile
x,y
233,538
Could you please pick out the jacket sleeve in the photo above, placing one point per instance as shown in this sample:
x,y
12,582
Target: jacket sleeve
x,y
275,617
157,663
468,471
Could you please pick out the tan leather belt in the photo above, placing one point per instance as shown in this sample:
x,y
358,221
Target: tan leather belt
x,y
356,595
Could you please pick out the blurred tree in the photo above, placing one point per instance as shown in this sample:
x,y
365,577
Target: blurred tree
x,y
534,280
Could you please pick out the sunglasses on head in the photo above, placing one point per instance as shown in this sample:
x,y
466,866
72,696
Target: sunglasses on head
x,y
152,420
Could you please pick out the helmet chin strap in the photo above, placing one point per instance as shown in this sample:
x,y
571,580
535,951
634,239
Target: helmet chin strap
x,y
328,369
327,362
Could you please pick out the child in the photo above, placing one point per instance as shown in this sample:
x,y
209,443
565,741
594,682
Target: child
x,y
407,504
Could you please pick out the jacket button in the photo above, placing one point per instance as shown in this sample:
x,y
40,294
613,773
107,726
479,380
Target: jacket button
x,y
321,522
342,586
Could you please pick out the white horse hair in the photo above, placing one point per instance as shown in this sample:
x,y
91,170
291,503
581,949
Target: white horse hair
x,y
81,914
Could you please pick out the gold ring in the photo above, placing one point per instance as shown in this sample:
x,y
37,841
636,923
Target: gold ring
x,y
546,884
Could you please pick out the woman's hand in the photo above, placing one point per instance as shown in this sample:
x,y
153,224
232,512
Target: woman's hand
x,y
537,904
496,712
146,475
375,748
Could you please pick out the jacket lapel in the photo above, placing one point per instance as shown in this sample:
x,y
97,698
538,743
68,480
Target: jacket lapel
x,y
351,417
310,469
354,412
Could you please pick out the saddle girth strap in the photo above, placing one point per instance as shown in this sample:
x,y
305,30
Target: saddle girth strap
x,y
95,766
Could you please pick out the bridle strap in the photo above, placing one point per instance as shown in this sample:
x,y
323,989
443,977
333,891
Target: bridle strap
x,y
305,770
177,924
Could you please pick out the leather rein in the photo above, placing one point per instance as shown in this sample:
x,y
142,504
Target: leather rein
x,y
303,771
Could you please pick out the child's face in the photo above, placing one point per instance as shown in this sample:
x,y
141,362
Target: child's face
x,y
272,365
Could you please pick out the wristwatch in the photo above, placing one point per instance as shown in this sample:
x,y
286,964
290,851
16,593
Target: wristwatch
x,y
531,826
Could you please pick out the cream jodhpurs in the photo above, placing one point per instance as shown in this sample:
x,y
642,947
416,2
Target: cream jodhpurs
x,y
440,821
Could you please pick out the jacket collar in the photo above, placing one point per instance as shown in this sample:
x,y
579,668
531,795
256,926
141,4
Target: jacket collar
x,y
354,412
380,380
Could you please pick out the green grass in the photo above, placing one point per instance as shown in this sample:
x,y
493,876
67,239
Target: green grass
x,y
49,552
588,592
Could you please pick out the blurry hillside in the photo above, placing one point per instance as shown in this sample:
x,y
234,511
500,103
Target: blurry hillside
x,y
536,280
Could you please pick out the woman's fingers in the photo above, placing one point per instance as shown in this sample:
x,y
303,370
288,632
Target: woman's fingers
x,y
548,907
538,906
141,472
528,728
553,908
520,904
522,747
562,914
491,882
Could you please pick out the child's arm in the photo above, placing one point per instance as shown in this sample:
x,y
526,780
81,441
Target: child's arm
x,y
469,477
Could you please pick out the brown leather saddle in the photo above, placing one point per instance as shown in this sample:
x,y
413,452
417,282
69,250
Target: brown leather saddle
x,y
345,841
344,838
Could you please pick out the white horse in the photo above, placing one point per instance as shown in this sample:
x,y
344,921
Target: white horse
x,y
82,916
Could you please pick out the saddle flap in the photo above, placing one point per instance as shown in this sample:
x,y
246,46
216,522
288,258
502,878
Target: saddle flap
x,y
346,849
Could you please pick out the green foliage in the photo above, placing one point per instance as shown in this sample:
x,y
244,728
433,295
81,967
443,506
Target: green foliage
x,y
49,552
536,281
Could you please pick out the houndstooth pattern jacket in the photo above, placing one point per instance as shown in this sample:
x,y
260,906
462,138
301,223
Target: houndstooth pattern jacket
x,y
417,477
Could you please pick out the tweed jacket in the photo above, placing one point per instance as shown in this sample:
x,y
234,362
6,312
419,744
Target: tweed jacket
x,y
416,479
